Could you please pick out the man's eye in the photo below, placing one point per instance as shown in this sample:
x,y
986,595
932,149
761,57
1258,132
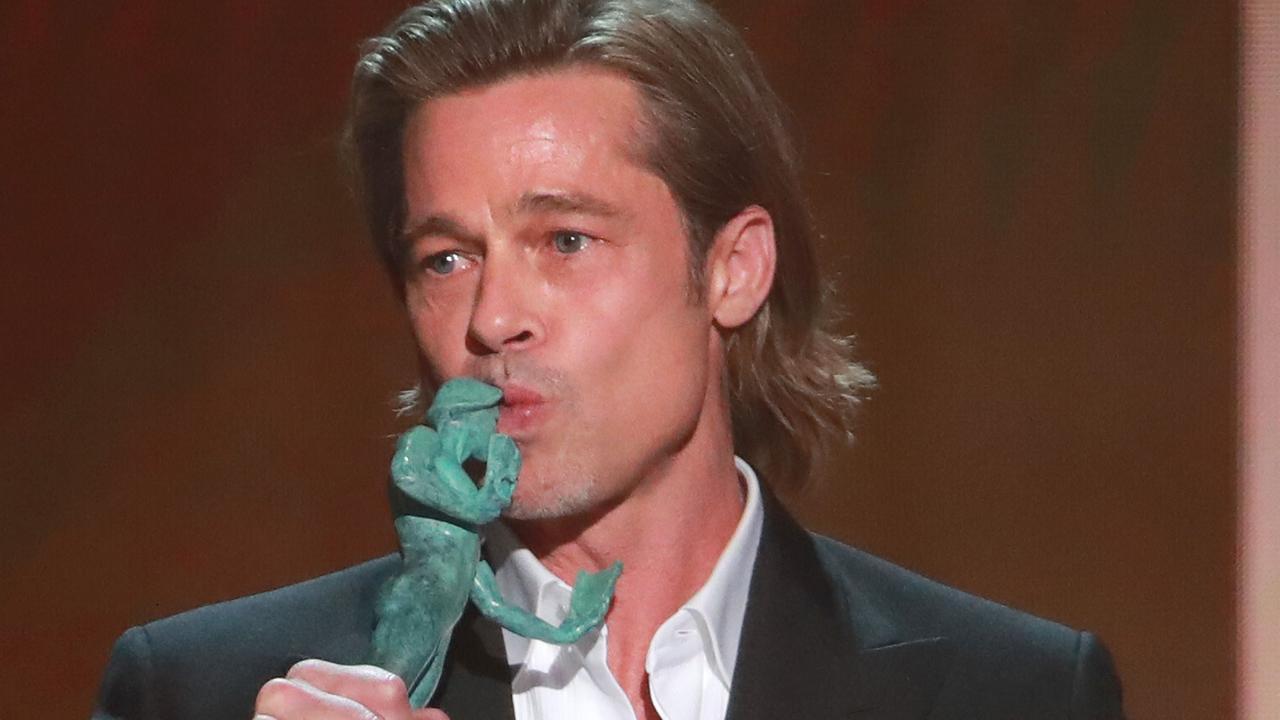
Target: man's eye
x,y
443,263
568,242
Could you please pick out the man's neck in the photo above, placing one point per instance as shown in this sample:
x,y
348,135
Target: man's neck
x,y
668,534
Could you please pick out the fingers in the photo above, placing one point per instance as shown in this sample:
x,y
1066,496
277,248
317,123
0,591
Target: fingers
x,y
282,699
315,689
377,689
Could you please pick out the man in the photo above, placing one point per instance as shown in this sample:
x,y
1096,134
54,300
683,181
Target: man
x,y
593,205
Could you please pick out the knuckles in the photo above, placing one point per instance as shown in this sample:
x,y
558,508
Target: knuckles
x,y
306,668
277,693
313,685
388,687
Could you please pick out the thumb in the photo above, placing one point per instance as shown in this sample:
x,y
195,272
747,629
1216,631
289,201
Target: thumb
x,y
429,714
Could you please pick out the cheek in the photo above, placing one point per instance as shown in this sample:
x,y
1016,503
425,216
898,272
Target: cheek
x,y
439,329
638,335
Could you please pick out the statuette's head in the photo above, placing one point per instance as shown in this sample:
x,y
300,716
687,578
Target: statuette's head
x,y
462,397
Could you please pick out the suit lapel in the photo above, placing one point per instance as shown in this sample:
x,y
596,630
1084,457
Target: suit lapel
x,y
800,655
898,681
477,680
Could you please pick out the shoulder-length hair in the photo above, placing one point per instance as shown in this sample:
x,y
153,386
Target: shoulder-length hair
x,y
712,129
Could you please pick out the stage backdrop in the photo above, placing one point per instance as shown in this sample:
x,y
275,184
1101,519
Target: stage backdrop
x,y
1028,210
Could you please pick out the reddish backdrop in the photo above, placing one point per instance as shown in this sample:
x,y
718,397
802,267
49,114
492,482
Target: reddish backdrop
x,y
1029,212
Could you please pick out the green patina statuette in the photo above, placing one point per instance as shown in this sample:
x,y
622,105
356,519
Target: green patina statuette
x,y
438,525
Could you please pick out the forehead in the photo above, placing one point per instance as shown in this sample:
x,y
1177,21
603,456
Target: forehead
x,y
545,126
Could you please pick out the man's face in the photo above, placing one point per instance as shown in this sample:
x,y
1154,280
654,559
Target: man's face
x,y
544,259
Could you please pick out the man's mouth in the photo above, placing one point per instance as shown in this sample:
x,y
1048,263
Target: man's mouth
x,y
520,411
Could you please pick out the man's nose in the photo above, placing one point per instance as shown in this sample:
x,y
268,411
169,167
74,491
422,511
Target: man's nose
x,y
505,316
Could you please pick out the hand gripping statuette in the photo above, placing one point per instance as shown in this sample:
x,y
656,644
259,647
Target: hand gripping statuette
x,y
439,511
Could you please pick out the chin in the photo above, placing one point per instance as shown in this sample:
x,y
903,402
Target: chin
x,y
549,507
539,497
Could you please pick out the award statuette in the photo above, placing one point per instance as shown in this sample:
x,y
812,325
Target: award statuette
x,y
439,511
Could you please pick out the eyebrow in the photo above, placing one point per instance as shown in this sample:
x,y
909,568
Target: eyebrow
x,y
530,202
438,225
567,202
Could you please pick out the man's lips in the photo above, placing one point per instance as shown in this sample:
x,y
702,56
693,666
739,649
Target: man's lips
x,y
520,411
520,395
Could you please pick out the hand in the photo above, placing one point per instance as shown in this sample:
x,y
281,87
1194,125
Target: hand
x,y
319,690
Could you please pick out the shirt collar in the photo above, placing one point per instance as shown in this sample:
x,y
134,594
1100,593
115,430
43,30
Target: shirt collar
x,y
523,581
721,603
718,607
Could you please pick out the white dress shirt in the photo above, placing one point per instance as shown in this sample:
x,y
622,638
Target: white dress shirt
x,y
690,659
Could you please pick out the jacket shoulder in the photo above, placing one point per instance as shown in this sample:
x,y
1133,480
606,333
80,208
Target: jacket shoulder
x,y
292,616
890,598
209,662
999,652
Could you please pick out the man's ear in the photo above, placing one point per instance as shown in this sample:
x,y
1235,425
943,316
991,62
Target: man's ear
x,y
740,267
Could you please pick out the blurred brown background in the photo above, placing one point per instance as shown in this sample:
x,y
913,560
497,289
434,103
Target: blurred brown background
x,y
1029,210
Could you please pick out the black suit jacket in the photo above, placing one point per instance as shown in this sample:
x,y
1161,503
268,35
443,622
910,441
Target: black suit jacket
x,y
829,632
